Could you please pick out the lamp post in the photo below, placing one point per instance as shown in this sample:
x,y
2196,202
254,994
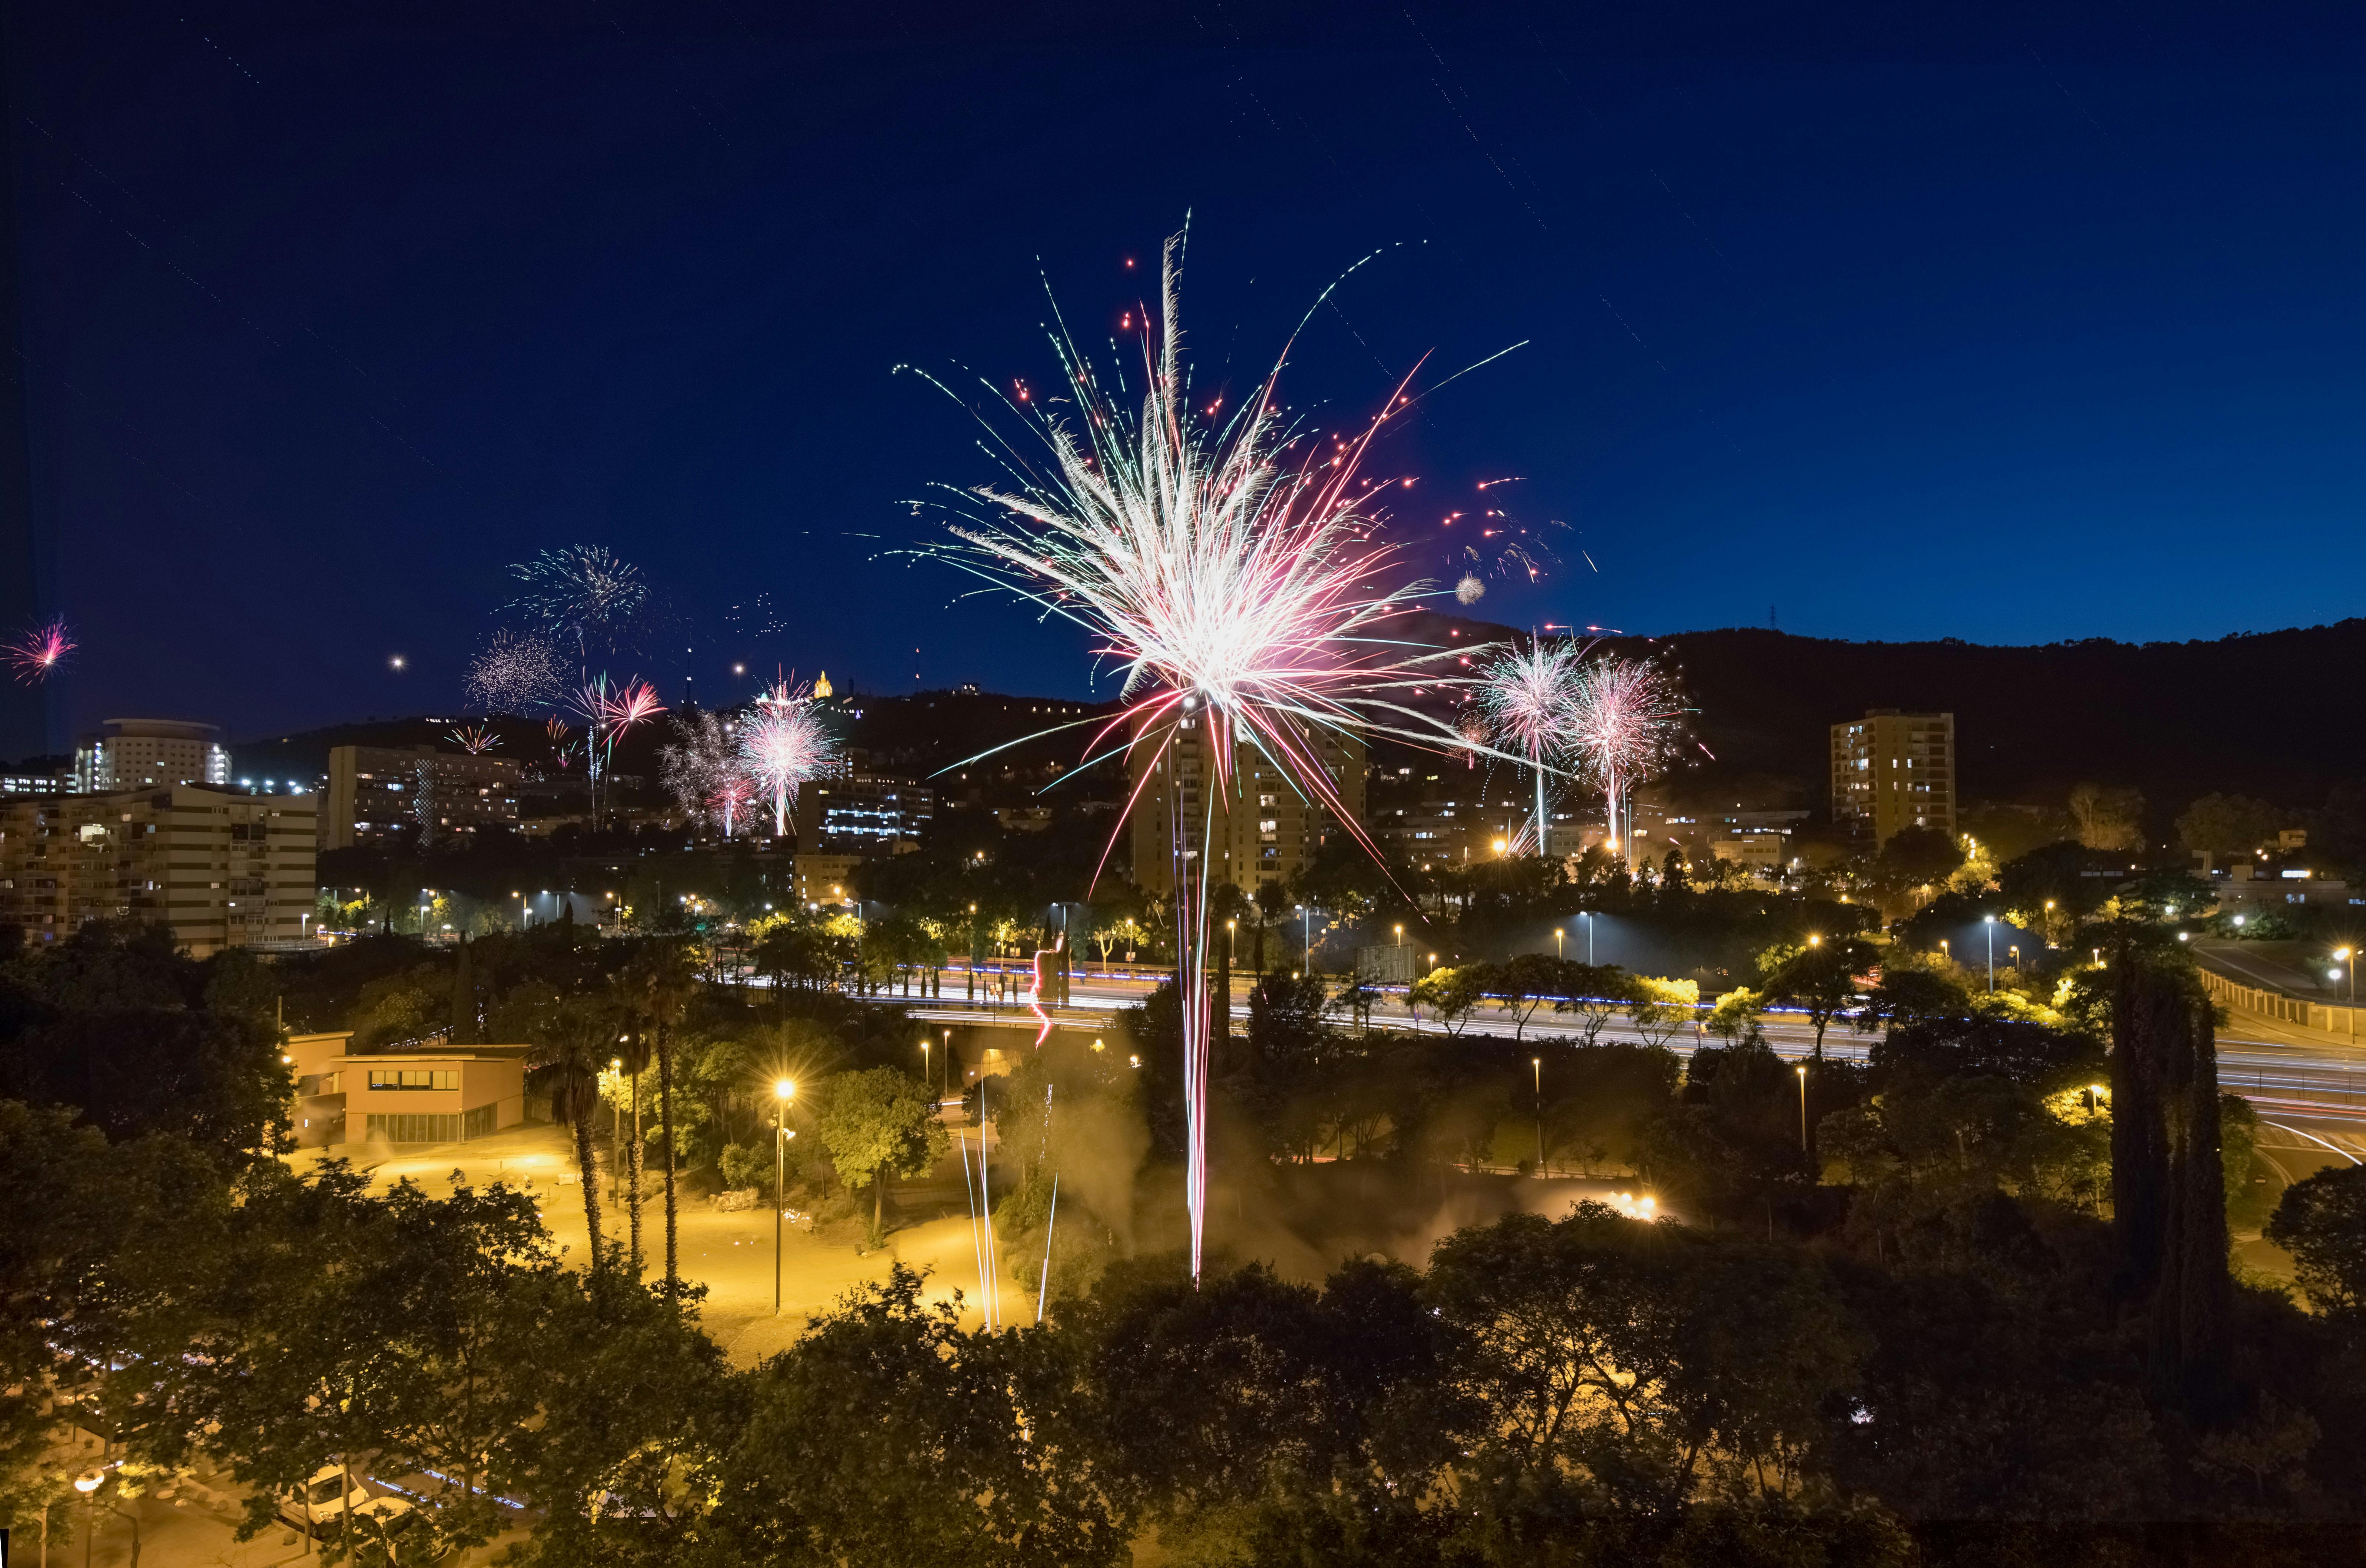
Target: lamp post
x,y
1538,1062
1558,934
782,1092
949,1049
1589,938
87,1484
1988,924
1802,1108
926,1076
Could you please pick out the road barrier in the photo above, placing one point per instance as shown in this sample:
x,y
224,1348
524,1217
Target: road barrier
x,y
2281,1007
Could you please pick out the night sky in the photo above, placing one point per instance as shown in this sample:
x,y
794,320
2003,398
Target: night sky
x,y
2031,322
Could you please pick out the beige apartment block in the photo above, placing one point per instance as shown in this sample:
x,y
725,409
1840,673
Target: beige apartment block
x,y
1893,770
380,794
128,753
1259,831
215,867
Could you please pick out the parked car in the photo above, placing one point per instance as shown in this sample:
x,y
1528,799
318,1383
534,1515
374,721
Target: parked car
x,y
390,1532
317,1507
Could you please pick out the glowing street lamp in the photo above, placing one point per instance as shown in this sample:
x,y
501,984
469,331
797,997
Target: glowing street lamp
x,y
782,1092
1803,1108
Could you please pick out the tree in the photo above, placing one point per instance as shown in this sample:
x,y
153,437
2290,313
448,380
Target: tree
x,y
665,974
878,1123
2229,825
1596,993
825,1469
1525,984
2108,819
1819,976
2169,1192
1735,1016
2322,1223
1450,995
1659,1009
1358,997
1623,1364
573,1049
463,1021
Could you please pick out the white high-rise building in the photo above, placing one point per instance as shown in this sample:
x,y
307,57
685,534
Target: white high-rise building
x,y
132,753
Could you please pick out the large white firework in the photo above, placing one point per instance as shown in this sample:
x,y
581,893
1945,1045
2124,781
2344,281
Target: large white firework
x,y
1628,722
517,672
702,770
1527,696
783,745
1228,567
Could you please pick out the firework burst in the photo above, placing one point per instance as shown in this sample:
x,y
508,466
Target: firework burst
x,y
1526,696
475,740
1627,721
38,653
703,772
783,745
1228,569
515,673
608,711
582,594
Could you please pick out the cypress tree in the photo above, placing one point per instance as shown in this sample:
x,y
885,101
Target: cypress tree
x,y
463,997
2170,1209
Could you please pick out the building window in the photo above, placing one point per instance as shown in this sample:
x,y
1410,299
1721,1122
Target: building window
x,y
414,1078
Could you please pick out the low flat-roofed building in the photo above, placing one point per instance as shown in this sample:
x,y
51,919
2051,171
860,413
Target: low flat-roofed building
x,y
428,1094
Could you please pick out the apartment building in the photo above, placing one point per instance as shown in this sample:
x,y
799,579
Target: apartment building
x,y
1893,770
127,754
861,814
378,794
215,867
1262,829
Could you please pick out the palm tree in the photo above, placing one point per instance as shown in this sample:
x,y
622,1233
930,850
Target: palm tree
x,y
572,1053
664,974
622,1011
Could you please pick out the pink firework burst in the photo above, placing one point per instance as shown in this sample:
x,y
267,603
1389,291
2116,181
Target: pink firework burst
x,y
783,745
39,651
1626,723
608,711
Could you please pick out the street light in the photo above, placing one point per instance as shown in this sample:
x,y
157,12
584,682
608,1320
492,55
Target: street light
x,y
1803,1108
1539,1064
1588,916
1988,924
925,1073
782,1092
2343,953
1558,934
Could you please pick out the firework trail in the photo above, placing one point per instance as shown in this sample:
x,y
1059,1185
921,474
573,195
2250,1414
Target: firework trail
x,y
1527,697
783,745
39,651
1627,721
1229,570
702,773
582,594
515,673
475,740
562,746
608,711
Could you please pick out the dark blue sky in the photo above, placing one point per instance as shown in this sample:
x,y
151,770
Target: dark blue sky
x,y
2019,325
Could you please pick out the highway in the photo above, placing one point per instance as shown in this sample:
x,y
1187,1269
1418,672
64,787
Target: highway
x,y
2280,1067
